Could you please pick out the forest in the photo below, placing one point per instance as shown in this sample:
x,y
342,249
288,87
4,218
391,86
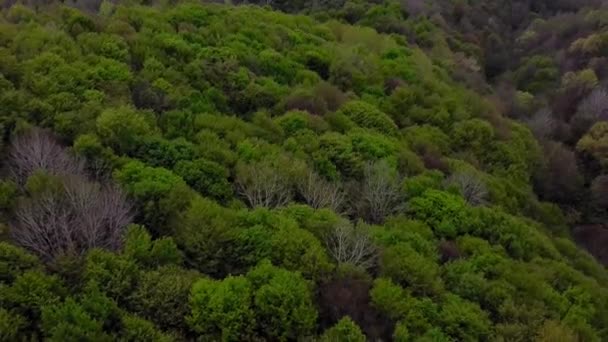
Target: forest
x,y
326,170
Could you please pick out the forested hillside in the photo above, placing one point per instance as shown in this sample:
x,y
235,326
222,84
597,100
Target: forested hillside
x,y
353,171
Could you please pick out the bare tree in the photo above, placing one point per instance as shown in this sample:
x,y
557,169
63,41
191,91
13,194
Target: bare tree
x,y
83,215
470,186
38,150
319,193
379,194
349,244
542,124
590,110
72,218
263,185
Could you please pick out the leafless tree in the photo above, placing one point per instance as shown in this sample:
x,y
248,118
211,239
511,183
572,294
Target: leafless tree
x,y
379,194
263,185
590,110
470,186
39,150
595,105
83,215
542,124
319,193
72,218
349,244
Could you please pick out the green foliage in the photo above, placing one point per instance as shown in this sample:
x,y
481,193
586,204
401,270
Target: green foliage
x,y
116,275
594,142
11,325
344,330
222,309
159,193
15,261
140,247
463,320
136,329
283,302
70,321
206,177
367,116
206,235
446,214
122,128
162,296
31,291
406,266
8,192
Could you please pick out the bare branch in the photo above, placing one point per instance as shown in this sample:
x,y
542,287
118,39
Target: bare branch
x,y
349,244
471,187
73,219
379,193
542,124
38,150
263,185
319,193
82,216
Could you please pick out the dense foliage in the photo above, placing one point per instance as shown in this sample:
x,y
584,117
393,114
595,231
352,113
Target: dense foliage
x,y
234,173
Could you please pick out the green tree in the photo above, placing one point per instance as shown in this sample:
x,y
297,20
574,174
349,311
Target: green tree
x,y
161,296
207,177
70,321
160,194
122,128
344,330
115,274
14,261
222,309
282,303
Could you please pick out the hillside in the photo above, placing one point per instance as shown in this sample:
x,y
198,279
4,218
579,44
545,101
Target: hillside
x,y
343,172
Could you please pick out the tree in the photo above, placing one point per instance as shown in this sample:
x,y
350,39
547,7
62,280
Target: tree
x,y
14,261
80,216
116,275
162,296
159,193
11,325
349,244
207,177
463,320
379,194
121,128
282,302
470,187
222,309
554,331
345,330
595,143
263,185
367,116
30,292
320,193
37,149
405,265
558,179
542,124
139,246
590,110
69,321
136,329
